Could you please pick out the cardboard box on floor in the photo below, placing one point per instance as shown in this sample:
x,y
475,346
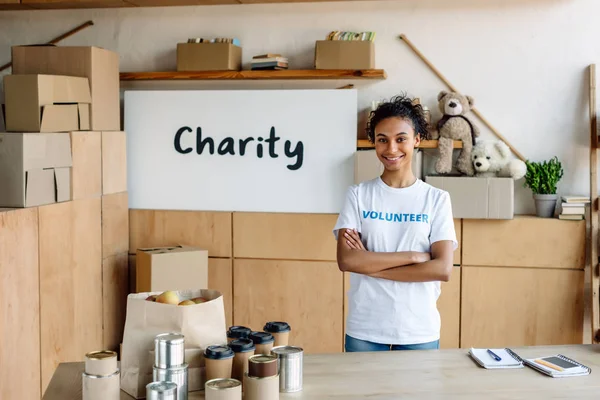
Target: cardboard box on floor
x,y
100,66
478,198
35,169
208,57
344,54
171,268
47,103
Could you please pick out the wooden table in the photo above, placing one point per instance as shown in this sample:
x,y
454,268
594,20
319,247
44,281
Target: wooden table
x,y
448,374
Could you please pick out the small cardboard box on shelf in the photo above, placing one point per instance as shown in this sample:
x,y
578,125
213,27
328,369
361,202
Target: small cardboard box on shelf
x,y
209,57
344,54
46,103
35,169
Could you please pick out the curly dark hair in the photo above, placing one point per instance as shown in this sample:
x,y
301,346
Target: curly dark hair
x,y
399,106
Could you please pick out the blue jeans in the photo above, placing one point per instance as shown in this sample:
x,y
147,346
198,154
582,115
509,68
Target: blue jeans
x,y
355,345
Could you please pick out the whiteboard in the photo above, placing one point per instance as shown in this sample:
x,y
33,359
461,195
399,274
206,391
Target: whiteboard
x,y
240,150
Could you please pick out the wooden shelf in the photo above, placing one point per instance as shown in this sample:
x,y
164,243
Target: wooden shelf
x,y
425,144
289,74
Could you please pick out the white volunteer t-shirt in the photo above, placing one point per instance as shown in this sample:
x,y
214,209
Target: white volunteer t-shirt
x,y
390,220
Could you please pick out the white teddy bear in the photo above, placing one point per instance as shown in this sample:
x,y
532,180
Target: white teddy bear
x,y
492,159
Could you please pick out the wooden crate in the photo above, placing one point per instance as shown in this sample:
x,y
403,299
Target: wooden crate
x,y
70,243
19,305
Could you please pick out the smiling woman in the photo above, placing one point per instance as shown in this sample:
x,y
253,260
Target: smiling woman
x,y
396,238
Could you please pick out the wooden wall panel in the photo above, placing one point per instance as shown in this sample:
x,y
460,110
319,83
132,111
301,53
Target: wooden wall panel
x,y
115,224
449,308
521,307
70,243
284,236
19,305
86,174
115,283
207,230
306,294
458,251
114,162
525,241
220,277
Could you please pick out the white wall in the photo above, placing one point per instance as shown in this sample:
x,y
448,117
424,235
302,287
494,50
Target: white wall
x,y
524,61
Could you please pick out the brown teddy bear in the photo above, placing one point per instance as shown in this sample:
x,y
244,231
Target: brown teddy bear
x,y
455,125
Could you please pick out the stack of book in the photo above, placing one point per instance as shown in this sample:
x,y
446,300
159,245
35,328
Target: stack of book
x,y
573,207
269,61
343,35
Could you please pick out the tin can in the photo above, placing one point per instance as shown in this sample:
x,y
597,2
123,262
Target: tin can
x,y
261,388
262,365
169,350
223,389
95,387
178,375
289,366
101,363
161,391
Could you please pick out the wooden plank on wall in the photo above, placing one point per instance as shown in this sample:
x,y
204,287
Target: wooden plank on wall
x,y
70,282
115,224
449,308
19,305
220,277
115,288
306,294
521,307
524,241
285,236
458,251
204,229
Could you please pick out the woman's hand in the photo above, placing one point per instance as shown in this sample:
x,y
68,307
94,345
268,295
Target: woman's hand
x,y
353,240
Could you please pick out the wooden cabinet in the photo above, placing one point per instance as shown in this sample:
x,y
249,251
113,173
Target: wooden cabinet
x,y
449,308
508,306
306,294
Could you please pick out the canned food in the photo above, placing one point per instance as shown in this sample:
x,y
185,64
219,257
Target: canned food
x,y
169,350
161,391
95,387
223,389
261,388
178,375
101,363
289,366
262,365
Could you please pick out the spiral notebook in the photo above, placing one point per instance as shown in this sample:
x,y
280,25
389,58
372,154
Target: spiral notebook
x,y
557,366
508,358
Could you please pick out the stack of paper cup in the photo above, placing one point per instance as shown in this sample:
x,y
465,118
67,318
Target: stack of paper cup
x,y
101,379
169,362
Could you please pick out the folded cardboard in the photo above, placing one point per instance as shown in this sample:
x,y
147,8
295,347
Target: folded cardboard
x,y
344,54
478,198
35,169
171,268
99,66
208,57
46,103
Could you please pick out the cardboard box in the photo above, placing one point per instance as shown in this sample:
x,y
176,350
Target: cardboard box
x,y
35,169
114,162
171,268
344,54
46,103
100,66
208,57
478,198
86,173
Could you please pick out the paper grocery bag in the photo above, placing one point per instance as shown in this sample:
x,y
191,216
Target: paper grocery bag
x,y
202,325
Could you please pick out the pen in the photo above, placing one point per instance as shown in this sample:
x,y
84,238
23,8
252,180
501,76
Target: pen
x,y
494,355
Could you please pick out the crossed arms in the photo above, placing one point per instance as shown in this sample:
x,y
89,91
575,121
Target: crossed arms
x,y
404,266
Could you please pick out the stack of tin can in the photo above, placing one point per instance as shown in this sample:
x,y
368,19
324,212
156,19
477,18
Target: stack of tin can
x,y
169,366
101,379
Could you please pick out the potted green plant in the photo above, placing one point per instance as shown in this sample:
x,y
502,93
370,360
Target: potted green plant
x,y
542,178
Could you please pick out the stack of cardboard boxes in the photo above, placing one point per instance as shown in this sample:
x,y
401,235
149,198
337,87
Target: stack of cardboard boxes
x,y
63,167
